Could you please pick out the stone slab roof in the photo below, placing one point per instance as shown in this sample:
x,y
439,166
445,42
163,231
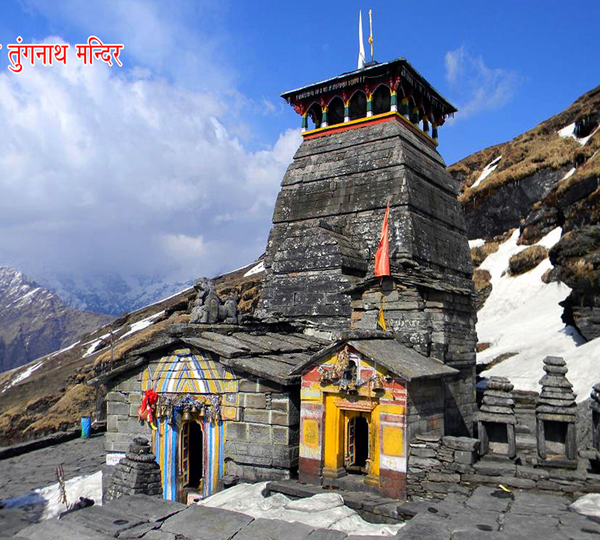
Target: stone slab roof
x,y
272,355
393,355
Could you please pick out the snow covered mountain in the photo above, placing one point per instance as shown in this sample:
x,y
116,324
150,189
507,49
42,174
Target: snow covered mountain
x,y
532,208
110,294
34,321
50,393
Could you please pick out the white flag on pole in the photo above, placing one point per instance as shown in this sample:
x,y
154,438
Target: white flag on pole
x,y
361,45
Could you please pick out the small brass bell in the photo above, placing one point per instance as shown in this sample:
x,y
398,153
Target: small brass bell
x,y
377,385
187,415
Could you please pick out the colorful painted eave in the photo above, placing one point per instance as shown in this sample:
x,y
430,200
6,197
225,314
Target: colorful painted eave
x,y
359,122
372,70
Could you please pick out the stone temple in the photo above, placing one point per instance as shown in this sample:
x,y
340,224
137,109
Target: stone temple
x,y
371,146
337,369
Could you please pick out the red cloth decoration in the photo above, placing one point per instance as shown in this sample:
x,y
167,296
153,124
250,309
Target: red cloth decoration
x,y
382,257
146,409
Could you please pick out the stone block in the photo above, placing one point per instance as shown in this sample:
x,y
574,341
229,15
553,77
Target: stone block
x,y
434,487
128,385
495,468
117,408
465,457
259,416
436,476
254,401
279,418
133,426
259,385
521,483
284,435
204,523
117,397
425,463
236,431
467,444
280,404
133,409
259,432
423,452
272,528
532,473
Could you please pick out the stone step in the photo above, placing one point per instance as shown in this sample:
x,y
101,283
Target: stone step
x,y
523,428
526,442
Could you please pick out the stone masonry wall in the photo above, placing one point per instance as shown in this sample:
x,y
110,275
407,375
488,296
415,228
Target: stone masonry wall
x,y
262,444
441,465
439,324
328,215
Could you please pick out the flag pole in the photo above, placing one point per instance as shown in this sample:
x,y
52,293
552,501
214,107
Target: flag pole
x,y
361,45
371,34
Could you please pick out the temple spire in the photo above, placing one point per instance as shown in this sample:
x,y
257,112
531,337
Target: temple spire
x,y
361,45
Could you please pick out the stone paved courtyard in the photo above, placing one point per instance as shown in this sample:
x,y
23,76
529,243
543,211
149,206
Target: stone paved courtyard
x,y
36,469
487,513
20,475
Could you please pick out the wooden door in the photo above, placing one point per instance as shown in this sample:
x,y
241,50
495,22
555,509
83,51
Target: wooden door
x,y
184,458
350,457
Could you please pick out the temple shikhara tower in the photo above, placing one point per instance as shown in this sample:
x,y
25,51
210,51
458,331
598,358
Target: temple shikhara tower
x,y
370,139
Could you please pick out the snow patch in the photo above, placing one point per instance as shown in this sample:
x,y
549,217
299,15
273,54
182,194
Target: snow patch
x,y
551,239
94,345
522,316
588,505
489,169
326,510
569,131
65,349
23,375
478,242
260,267
89,486
144,323
570,173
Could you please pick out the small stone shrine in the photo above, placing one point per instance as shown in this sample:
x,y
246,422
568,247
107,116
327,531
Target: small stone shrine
x,y
556,414
496,419
136,474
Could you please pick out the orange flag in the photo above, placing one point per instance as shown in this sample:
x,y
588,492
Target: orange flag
x,y
382,257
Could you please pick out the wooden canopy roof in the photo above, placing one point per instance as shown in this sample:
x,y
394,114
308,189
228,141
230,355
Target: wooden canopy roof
x,y
395,72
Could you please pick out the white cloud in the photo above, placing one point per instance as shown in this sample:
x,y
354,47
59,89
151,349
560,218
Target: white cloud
x,y
477,87
109,170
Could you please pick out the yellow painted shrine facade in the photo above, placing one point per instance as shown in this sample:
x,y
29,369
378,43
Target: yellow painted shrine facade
x,y
352,422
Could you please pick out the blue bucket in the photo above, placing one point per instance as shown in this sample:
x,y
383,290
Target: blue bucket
x,y
86,427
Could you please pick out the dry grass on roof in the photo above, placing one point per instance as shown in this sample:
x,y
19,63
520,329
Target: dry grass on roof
x,y
139,339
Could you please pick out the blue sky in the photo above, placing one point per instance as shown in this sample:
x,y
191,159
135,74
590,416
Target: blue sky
x,y
170,165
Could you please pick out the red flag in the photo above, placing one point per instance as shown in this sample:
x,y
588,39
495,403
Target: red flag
x,y
382,257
